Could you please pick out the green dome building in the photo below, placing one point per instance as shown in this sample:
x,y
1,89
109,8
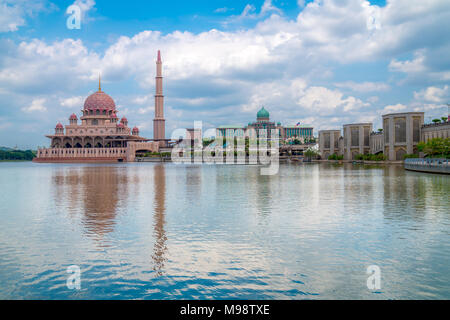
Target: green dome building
x,y
262,115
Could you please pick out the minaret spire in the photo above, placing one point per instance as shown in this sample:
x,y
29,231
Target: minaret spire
x,y
159,123
99,83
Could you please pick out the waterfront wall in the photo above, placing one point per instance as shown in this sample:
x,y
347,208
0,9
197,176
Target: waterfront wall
x,y
428,165
80,155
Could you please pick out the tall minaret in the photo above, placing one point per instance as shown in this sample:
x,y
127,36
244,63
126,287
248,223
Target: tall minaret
x,y
159,123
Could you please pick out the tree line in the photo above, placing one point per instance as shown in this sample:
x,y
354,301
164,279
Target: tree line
x,y
17,155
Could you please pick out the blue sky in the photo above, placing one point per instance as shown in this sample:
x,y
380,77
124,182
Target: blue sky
x,y
321,62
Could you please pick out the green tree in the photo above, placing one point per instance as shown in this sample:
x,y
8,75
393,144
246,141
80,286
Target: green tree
x,y
311,153
436,120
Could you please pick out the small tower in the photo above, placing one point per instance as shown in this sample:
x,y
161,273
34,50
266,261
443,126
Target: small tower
x,y
73,119
124,121
135,131
59,129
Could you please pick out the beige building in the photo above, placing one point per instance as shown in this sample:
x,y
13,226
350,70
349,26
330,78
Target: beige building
x,y
356,139
329,142
401,133
438,130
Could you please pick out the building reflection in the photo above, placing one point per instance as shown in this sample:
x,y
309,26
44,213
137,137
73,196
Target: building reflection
x,y
97,190
160,248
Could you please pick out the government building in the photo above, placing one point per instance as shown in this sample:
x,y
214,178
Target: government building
x,y
303,133
99,136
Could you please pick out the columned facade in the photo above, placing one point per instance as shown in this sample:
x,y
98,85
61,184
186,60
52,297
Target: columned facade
x,y
401,134
329,142
356,139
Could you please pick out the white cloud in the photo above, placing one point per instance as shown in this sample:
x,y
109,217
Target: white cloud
x,y
394,108
36,105
71,102
223,10
323,100
409,66
85,6
434,94
146,110
13,14
363,86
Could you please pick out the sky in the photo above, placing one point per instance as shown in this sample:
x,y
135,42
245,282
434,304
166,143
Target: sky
x,y
320,62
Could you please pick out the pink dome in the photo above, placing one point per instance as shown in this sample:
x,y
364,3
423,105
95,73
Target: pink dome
x,y
135,130
124,119
99,100
59,126
73,117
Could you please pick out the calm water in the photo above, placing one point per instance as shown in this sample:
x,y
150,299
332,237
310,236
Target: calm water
x,y
166,231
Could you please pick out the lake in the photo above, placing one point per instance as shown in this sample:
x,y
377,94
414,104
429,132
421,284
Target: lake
x,y
173,231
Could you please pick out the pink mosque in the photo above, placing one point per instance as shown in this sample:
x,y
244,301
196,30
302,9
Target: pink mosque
x,y
101,137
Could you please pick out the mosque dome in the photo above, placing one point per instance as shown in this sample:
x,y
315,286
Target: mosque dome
x,y
59,126
99,100
263,113
73,117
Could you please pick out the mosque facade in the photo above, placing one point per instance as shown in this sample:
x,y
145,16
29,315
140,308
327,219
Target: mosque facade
x,y
100,136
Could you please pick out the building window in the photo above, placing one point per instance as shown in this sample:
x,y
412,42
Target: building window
x,y
326,140
345,136
386,130
355,137
400,130
416,130
366,136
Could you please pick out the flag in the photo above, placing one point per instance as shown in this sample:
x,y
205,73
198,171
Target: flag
x,y
298,123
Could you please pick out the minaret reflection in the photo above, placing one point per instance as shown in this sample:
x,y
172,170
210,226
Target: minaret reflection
x,y
160,247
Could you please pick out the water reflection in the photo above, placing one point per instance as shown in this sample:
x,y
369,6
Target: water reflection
x,y
94,190
160,248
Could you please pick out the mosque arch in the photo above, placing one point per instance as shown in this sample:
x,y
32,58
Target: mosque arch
x,y
98,141
88,142
67,143
56,143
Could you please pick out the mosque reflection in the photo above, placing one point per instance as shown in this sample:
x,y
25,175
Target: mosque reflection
x,y
97,190
97,193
